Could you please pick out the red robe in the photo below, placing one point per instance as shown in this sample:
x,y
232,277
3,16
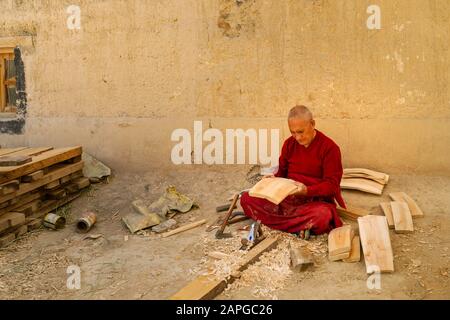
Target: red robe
x,y
319,167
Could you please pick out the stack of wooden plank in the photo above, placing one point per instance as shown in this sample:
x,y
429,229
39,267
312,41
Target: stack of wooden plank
x,y
365,180
343,245
34,182
401,211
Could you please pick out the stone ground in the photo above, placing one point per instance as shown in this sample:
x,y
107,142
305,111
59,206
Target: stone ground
x,y
118,265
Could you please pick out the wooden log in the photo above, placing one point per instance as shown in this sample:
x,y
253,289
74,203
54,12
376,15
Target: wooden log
x,y
402,217
184,228
376,244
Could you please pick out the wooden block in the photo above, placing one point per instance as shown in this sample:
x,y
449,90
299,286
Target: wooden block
x,y
65,179
71,188
273,189
7,239
402,217
352,213
301,258
9,187
416,212
21,231
376,244
12,160
56,194
34,224
355,252
364,185
207,287
52,185
6,151
33,176
77,174
39,162
82,182
20,201
340,242
367,173
387,210
30,208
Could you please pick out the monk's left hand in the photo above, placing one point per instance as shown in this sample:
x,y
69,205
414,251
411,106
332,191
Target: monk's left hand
x,y
301,189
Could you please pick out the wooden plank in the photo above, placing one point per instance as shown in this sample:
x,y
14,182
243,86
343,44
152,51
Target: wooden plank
x,y
30,208
39,162
376,244
361,175
56,194
82,182
416,212
6,151
340,242
355,252
184,228
14,160
273,189
364,185
352,213
402,217
51,176
208,287
52,185
9,187
367,172
31,151
11,219
22,200
387,210
33,176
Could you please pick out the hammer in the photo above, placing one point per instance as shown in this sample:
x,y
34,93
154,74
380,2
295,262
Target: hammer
x,y
219,233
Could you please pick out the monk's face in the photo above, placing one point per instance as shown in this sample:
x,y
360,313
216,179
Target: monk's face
x,y
302,130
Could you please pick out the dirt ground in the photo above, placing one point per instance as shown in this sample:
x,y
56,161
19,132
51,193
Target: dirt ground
x,y
147,266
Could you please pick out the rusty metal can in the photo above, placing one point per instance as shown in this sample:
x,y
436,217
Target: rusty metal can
x,y
53,221
86,221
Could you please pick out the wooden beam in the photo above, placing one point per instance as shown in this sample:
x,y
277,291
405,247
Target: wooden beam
x,y
376,244
208,287
6,151
51,176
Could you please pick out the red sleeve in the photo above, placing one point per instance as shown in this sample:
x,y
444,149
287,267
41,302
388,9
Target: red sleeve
x,y
332,174
283,162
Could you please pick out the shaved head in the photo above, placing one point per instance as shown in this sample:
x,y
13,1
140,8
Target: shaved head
x,y
300,112
302,125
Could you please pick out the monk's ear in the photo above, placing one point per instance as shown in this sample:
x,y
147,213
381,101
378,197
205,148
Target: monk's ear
x,y
313,123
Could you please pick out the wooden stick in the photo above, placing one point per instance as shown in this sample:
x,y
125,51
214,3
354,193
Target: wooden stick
x,y
184,228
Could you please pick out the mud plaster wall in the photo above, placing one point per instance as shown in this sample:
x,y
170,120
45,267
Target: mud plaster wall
x,y
137,70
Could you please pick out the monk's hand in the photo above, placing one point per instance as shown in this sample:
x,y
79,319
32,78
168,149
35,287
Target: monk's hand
x,y
301,189
269,176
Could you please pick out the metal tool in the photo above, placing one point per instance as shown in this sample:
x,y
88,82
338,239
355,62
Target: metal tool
x,y
220,234
234,218
254,237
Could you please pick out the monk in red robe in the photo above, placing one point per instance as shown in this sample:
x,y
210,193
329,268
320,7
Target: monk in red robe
x,y
314,161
